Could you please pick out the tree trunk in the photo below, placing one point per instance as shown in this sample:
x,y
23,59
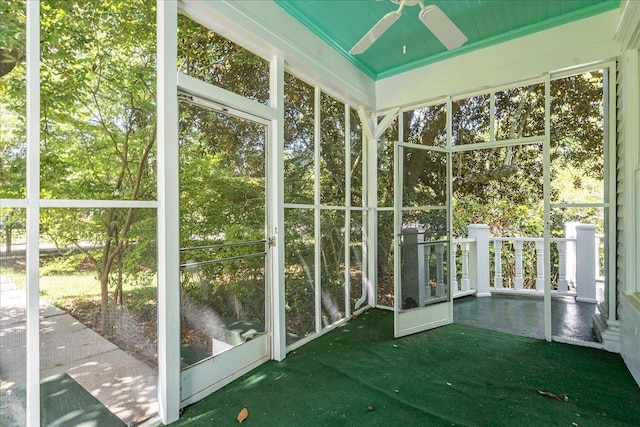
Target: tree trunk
x,y
117,294
105,319
8,234
9,58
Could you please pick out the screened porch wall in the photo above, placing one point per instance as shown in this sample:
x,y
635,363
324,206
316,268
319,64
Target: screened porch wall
x,y
584,47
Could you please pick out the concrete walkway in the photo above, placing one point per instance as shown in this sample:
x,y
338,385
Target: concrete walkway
x,y
126,386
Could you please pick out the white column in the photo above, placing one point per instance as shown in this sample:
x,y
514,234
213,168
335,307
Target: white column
x,y
539,265
519,280
585,261
497,266
479,259
562,266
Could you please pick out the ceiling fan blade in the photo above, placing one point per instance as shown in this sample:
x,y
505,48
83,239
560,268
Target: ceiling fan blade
x,y
375,32
442,27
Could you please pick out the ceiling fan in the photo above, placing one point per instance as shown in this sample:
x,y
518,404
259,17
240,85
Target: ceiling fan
x,y
431,16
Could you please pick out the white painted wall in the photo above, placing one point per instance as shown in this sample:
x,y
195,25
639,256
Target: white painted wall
x,y
628,34
566,46
629,311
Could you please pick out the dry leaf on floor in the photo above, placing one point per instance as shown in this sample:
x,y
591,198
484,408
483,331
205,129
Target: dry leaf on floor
x,y
548,394
243,415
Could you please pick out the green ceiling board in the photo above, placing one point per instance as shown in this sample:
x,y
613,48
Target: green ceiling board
x,y
341,23
505,36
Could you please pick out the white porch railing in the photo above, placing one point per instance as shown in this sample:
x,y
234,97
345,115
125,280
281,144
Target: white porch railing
x,y
575,274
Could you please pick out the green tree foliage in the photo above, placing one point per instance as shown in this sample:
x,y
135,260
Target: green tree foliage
x,y
206,55
299,168
12,35
511,177
98,130
12,114
300,177
222,189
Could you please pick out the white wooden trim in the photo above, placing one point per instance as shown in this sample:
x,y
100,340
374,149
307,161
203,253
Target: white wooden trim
x,y
628,31
347,215
631,167
226,99
168,214
33,215
610,182
546,189
368,125
276,211
370,195
80,203
13,203
317,218
498,144
389,117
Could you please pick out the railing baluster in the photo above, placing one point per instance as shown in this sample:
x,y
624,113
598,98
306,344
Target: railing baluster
x,y
519,279
497,278
539,265
563,286
440,288
466,281
427,271
454,273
